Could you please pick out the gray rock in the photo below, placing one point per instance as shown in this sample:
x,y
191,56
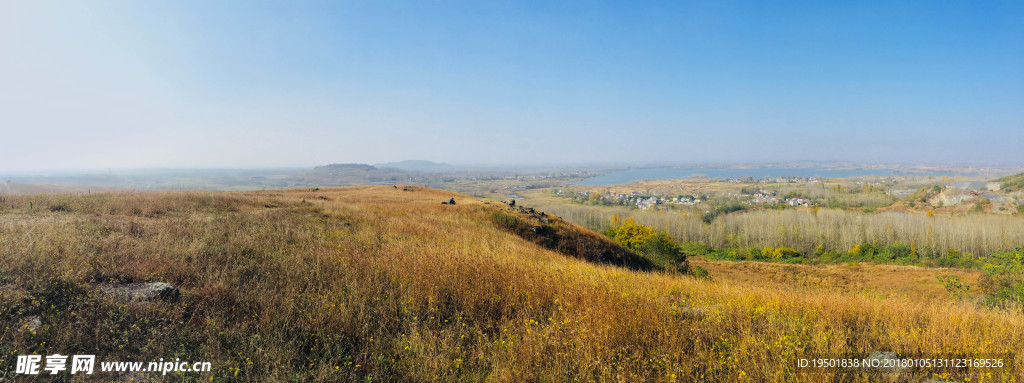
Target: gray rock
x,y
141,291
33,323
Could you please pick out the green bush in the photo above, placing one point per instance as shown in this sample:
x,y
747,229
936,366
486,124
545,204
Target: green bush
x,y
695,248
1003,281
955,286
898,250
658,247
710,216
779,253
863,250
699,273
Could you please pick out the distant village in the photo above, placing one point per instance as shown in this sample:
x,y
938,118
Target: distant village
x,y
646,201
946,195
777,180
640,200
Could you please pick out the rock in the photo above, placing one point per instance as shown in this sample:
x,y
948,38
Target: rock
x,y
542,230
33,323
141,291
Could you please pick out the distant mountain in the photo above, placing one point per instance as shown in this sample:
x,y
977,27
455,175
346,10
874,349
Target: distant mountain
x,y
343,167
416,165
352,174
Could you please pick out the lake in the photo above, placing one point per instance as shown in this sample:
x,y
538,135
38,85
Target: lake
x,y
630,175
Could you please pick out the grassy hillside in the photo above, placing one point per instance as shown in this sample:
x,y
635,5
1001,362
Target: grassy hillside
x,y
1011,183
386,284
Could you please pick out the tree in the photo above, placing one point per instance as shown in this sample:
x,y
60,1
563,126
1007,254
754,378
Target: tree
x,y
657,246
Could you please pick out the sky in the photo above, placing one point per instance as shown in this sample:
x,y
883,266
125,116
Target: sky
x,y
228,84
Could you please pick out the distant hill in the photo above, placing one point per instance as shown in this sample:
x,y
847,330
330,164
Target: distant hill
x,y
1011,183
344,167
416,165
355,174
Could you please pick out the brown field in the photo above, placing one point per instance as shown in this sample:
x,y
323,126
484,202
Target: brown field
x,y
870,280
379,284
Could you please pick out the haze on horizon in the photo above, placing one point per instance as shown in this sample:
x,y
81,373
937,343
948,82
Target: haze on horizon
x,y
120,84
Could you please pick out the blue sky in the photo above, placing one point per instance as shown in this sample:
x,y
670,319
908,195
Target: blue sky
x,y
130,84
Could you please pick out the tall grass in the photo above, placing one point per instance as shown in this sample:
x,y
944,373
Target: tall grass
x,y
379,284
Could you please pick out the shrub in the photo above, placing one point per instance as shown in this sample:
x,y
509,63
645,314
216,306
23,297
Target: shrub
x,y
664,250
695,248
61,206
656,246
1003,281
863,250
779,253
709,216
898,250
955,286
631,234
699,273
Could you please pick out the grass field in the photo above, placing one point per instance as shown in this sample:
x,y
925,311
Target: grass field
x,y
386,284
883,281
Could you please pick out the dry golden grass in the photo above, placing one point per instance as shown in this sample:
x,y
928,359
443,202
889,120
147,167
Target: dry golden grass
x,y
866,279
377,283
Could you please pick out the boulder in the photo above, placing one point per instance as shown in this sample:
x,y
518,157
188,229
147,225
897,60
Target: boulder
x,y
33,323
141,291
